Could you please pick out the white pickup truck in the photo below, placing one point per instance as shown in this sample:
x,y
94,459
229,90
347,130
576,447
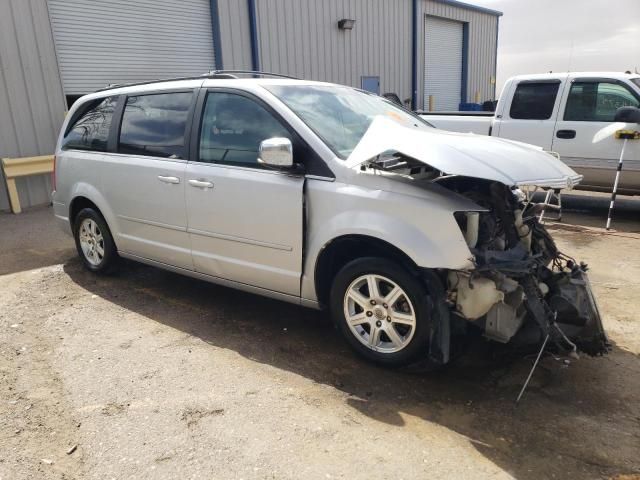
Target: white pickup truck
x,y
571,114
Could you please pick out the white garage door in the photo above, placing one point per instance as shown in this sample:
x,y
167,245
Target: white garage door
x,y
442,63
121,41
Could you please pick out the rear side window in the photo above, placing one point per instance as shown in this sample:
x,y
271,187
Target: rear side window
x,y
534,101
597,101
91,130
155,125
233,127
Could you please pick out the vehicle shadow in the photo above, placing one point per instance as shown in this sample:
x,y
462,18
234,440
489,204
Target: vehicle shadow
x,y
575,421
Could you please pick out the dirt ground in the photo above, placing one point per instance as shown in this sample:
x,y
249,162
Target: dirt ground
x,y
148,374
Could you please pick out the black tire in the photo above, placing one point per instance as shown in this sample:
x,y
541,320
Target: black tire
x,y
109,260
417,347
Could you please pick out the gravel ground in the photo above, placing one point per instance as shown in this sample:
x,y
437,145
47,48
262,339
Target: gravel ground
x,y
147,374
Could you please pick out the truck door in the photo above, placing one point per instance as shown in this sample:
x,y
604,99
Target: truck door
x,y
585,132
530,116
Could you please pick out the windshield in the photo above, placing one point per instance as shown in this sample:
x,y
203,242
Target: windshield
x,y
341,115
636,81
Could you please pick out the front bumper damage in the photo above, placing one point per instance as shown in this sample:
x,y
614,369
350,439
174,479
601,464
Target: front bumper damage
x,y
534,301
523,291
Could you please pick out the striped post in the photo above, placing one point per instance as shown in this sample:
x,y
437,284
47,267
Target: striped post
x,y
615,185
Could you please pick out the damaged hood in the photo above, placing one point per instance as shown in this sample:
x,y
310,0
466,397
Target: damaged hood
x,y
469,155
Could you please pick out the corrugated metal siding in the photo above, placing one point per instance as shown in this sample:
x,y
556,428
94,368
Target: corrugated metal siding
x,y
482,47
234,34
301,38
443,62
116,41
31,100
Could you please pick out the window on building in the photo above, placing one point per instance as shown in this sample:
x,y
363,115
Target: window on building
x,y
91,130
597,101
233,126
155,125
534,101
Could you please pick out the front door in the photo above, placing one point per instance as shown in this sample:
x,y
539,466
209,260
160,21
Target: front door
x,y
585,133
244,220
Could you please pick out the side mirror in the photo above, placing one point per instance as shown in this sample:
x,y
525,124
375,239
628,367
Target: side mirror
x,y
627,115
276,152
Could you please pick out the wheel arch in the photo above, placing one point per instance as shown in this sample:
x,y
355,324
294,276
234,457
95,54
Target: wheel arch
x,y
79,203
341,250
86,196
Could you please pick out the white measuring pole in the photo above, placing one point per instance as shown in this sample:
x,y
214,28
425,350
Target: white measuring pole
x,y
615,184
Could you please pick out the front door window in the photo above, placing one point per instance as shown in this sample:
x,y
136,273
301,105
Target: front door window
x,y
233,127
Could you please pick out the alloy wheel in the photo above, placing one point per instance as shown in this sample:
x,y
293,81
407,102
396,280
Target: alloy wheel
x,y
379,313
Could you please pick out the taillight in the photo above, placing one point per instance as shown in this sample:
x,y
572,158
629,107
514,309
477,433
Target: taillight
x,y
53,174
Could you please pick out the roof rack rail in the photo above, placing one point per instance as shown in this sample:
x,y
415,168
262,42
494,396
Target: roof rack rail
x,y
211,74
255,73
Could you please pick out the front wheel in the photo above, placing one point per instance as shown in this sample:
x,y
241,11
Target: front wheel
x,y
382,311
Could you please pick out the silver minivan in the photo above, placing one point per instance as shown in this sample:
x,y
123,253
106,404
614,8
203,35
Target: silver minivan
x,y
329,197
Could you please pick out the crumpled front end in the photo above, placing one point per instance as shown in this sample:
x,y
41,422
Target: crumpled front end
x,y
522,288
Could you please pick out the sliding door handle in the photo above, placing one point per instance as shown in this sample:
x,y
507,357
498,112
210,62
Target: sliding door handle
x,y
166,179
566,134
200,184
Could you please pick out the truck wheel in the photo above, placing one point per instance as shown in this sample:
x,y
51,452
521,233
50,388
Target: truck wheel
x,y
94,242
382,311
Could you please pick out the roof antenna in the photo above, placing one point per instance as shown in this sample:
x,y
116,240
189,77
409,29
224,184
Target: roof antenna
x,y
570,57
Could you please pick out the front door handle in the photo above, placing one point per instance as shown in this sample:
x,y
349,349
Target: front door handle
x,y
166,179
566,134
200,184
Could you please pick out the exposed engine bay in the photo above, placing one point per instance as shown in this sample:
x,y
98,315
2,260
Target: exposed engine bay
x,y
523,290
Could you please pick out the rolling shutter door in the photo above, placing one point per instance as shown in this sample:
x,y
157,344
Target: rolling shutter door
x,y
123,41
442,63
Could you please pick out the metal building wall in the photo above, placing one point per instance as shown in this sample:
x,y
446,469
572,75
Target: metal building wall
x,y
123,41
234,34
301,38
481,66
32,104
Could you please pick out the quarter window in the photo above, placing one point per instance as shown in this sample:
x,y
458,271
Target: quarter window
x,y
534,101
91,130
155,125
597,101
233,127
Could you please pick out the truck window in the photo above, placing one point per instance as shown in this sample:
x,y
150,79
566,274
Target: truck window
x,y
91,130
534,100
597,101
154,124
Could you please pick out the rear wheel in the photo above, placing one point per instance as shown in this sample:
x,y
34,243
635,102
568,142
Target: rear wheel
x,y
94,242
382,311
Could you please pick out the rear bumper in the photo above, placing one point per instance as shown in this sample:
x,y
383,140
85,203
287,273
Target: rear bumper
x,y
61,213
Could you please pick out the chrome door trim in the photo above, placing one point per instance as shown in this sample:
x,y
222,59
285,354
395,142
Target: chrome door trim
x,y
319,177
233,238
255,169
152,223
